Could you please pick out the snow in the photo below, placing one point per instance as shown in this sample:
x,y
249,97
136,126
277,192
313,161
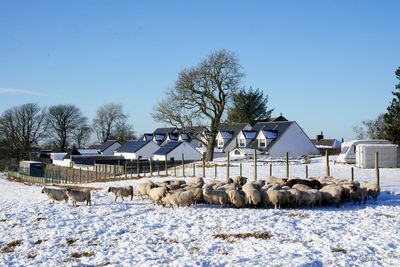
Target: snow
x,y
136,232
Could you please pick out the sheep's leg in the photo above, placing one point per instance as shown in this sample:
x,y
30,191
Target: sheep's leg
x,y
131,197
115,198
122,198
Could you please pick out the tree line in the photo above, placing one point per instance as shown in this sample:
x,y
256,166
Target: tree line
x,y
28,127
387,124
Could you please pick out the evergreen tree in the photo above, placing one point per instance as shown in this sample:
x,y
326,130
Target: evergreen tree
x,y
249,106
392,117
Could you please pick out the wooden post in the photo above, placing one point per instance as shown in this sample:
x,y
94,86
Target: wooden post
x,y
270,169
240,170
352,174
115,170
87,174
137,168
306,170
327,163
227,166
80,175
183,165
215,170
377,168
204,165
174,169
166,166
194,170
287,164
255,164
151,167
125,171
96,172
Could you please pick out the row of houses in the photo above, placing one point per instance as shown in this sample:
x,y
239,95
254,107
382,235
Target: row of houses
x,y
273,138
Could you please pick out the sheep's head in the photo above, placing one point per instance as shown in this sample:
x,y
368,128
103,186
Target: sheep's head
x,y
69,190
43,190
353,188
109,189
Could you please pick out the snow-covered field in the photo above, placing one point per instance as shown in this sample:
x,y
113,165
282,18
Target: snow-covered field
x,y
133,233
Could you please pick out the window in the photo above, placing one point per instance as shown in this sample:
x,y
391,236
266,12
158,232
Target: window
x,y
242,142
220,143
140,157
172,160
261,143
237,152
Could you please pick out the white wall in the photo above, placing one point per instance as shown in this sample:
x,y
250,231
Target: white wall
x,y
145,152
110,150
185,148
294,141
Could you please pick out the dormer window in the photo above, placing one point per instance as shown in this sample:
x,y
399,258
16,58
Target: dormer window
x,y
262,143
242,142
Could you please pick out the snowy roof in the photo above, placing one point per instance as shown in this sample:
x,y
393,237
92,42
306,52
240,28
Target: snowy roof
x,y
326,143
105,145
167,148
165,130
132,146
88,151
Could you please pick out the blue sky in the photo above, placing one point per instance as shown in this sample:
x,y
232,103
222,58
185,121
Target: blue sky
x,y
326,64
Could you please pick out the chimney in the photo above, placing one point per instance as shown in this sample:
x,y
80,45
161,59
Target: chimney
x,y
320,136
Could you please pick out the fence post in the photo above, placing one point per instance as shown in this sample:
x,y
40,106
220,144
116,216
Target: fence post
x,y
352,174
158,168
377,168
204,165
73,175
87,172
80,175
306,170
270,169
227,166
287,164
174,169
240,170
138,166
327,163
126,170
194,169
96,172
166,166
183,165
215,170
115,170
255,164
151,167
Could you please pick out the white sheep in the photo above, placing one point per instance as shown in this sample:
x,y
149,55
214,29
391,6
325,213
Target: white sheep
x,y
275,197
358,194
308,198
156,194
218,197
122,192
301,187
196,191
235,198
144,188
197,182
331,194
239,180
55,194
373,190
179,198
252,195
79,196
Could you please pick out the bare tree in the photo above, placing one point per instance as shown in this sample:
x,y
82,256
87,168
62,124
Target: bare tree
x,y
360,132
63,121
81,134
107,117
200,96
376,128
123,132
22,128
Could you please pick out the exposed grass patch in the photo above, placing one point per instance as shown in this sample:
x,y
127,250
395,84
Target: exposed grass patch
x,y
10,247
71,241
338,249
171,241
297,215
32,256
38,242
83,254
260,235
40,219
389,216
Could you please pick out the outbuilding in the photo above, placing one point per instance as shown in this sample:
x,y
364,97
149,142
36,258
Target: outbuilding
x,y
173,150
137,149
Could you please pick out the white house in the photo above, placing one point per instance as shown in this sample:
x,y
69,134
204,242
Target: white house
x,y
107,148
138,149
277,138
173,151
242,152
245,138
227,137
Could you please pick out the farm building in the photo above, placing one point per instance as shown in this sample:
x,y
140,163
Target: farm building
x,y
137,149
277,138
227,137
174,150
32,168
242,152
333,146
107,148
246,139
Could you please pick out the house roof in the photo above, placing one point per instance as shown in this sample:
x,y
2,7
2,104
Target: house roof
x,y
165,130
274,127
132,146
234,127
273,119
105,145
173,136
167,148
147,136
227,134
159,137
250,135
324,142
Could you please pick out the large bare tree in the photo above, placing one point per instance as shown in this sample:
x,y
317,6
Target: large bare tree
x,y
22,128
63,121
107,118
80,136
200,96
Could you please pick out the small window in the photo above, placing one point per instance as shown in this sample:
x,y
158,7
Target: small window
x,y
237,152
261,143
220,143
172,160
140,157
242,142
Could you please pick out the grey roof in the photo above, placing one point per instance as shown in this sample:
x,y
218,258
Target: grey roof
x,y
105,145
165,130
167,148
132,146
250,134
278,127
234,127
147,136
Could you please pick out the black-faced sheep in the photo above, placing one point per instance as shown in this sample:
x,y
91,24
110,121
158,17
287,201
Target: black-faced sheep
x,y
314,184
373,190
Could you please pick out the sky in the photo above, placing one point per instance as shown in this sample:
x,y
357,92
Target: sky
x,y
326,64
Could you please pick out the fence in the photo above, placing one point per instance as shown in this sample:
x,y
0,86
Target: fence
x,y
144,168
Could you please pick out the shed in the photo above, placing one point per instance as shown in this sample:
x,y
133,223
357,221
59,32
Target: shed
x,y
241,152
137,149
387,155
107,148
173,151
31,168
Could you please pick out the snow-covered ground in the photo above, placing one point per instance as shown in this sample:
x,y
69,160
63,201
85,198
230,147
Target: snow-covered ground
x,y
136,232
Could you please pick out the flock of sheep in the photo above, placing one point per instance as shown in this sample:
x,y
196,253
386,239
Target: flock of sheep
x,y
238,192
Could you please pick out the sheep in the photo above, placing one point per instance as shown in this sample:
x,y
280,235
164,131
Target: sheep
x,y
308,198
197,182
55,194
122,192
144,188
318,197
373,190
239,180
301,187
196,191
276,197
294,197
331,194
252,195
358,194
265,199
258,184
179,198
314,184
235,198
79,196
156,194
275,181
215,196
